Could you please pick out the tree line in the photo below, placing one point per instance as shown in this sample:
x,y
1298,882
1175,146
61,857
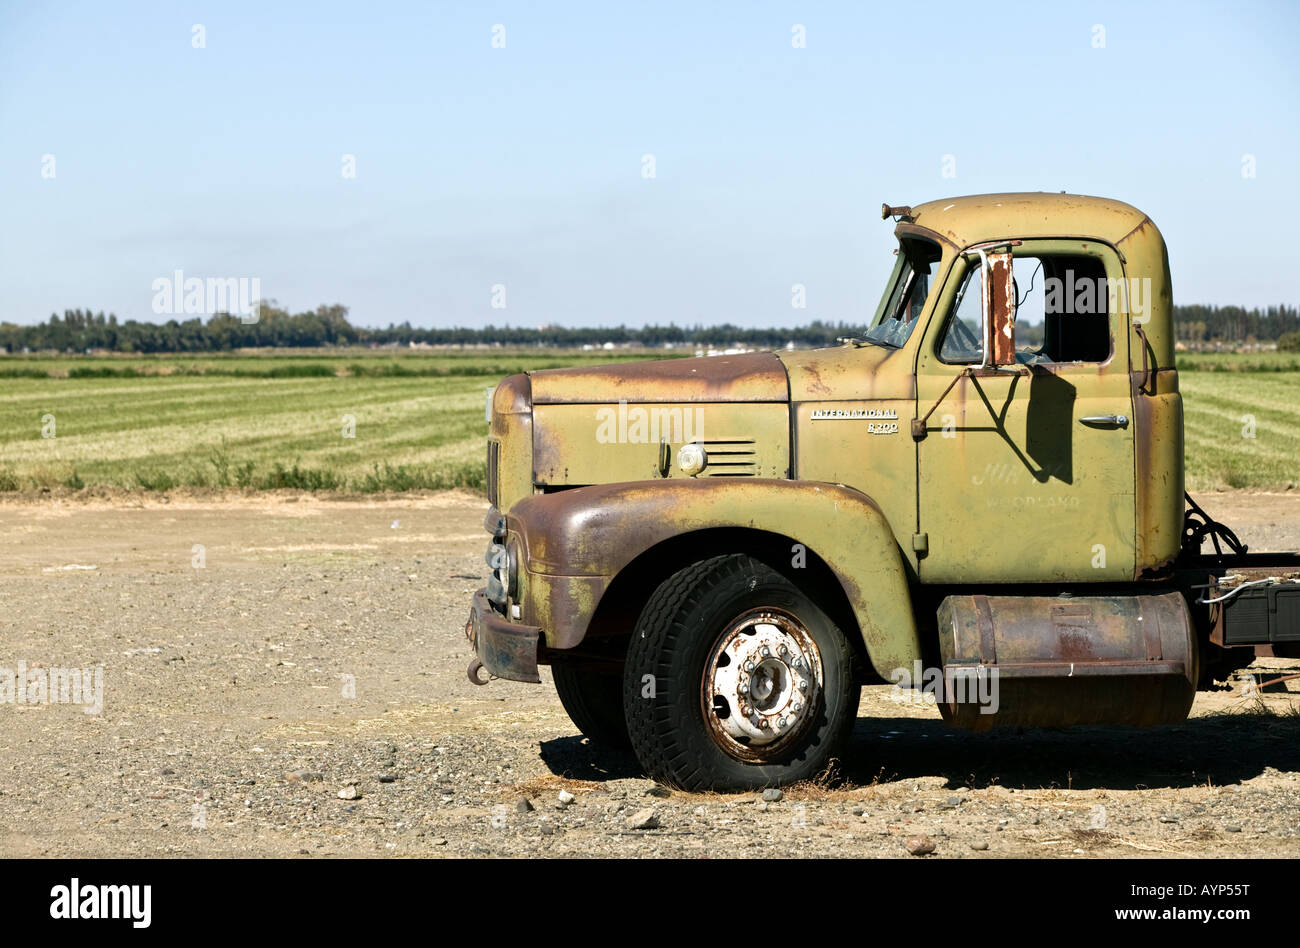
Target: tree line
x,y
81,330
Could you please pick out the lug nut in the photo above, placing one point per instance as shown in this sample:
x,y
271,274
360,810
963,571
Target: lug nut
x,y
781,723
749,666
803,686
797,707
766,651
784,651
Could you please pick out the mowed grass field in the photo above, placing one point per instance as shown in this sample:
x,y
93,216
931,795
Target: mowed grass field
x,y
277,420
1242,429
259,422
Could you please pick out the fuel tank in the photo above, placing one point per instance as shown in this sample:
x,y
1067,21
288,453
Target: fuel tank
x,y
1038,661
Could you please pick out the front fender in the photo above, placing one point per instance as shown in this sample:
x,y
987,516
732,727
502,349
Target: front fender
x,y
576,541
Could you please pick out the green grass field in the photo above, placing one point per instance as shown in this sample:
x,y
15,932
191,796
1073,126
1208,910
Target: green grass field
x,y
1242,429
262,422
1239,361
277,420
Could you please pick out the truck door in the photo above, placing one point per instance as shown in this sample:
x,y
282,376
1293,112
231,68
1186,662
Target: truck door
x,y
1025,474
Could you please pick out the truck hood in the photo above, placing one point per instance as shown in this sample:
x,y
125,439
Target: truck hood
x,y
848,373
751,377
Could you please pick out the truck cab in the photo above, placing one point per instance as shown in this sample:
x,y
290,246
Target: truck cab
x,y
981,494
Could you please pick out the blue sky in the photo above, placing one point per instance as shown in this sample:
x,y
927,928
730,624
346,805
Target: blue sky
x,y
522,165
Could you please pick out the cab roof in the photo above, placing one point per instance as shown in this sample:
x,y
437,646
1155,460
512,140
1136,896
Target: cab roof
x,y
980,217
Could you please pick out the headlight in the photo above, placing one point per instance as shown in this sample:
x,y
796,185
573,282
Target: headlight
x,y
692,459
512,570
496,592
498,560
504,564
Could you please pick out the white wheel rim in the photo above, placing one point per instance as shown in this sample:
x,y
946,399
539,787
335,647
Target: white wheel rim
x,y
761,685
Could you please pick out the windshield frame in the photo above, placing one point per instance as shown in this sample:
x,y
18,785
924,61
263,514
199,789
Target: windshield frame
x,y
917,258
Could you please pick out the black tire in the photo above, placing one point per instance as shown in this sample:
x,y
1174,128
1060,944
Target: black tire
x,y
678,638
594,702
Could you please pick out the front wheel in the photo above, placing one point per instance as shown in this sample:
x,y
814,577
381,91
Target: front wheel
x,y
736,680
594,702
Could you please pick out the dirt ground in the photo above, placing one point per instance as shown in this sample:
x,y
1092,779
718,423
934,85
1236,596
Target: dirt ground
x,y
262,656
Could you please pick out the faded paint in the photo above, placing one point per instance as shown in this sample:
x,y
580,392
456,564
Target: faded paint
x,y
752,377
742,440
1066,662
1007,485
594,532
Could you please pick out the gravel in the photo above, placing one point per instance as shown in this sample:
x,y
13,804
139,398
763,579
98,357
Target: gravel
x,y
322,708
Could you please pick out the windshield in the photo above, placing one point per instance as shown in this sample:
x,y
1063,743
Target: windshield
x,y
905,294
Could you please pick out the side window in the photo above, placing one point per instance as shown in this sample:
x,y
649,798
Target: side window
x,y
1076,310
1062,312
961,341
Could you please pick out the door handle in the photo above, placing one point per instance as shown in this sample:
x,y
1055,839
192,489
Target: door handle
x,y
1105,421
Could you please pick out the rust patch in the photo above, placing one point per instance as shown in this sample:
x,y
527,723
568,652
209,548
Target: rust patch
x,y
1000,344
752,377
1100,660
512,396
588,533
506,649
1158,471
815,383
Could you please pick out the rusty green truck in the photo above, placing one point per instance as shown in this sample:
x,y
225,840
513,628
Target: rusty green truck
x,y
715,554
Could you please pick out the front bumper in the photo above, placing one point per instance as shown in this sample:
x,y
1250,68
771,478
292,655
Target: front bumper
x,y
506,649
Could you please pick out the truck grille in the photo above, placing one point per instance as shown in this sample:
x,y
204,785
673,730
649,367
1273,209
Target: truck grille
x,y
730,459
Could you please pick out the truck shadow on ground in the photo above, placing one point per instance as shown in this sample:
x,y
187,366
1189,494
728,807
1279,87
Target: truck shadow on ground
x,y
1218,749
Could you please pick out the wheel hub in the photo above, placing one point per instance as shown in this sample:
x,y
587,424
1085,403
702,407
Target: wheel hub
x,y
761,684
